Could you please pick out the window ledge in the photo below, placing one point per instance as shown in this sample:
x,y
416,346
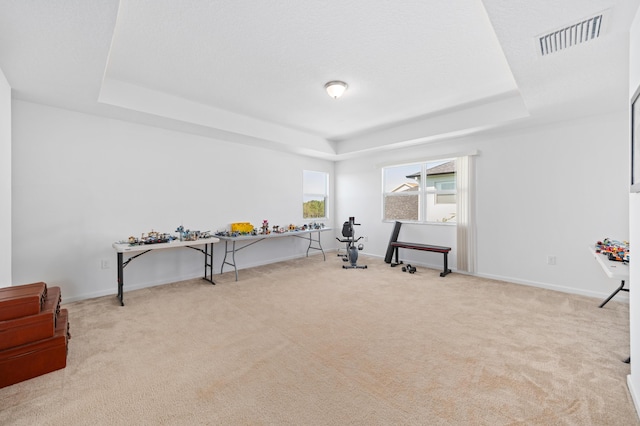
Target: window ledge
x,y
422,223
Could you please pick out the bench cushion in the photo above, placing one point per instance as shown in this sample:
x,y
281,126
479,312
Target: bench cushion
x,y
423,247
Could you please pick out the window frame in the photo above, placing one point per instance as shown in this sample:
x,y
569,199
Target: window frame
x,y
423,191
315,195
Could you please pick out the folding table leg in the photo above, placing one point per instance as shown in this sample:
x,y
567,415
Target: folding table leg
x,y
621,288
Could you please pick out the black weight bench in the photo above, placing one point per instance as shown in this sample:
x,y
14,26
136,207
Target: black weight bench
x,y
395,246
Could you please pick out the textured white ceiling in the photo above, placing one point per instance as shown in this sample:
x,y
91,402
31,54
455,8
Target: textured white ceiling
x,y
253,72
270,60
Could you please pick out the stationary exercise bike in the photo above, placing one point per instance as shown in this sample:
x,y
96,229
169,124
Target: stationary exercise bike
x,y
350,240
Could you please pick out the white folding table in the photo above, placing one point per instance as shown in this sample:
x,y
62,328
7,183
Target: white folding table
x,y
122,248
616,270
249,240
613,269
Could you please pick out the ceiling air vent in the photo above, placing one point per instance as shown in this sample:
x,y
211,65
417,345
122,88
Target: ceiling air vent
x,y
572,35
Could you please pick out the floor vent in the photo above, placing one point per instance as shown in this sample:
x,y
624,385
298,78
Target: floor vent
x,y
572,35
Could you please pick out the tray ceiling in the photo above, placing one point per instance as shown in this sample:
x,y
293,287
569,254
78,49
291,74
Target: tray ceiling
x,y
253,72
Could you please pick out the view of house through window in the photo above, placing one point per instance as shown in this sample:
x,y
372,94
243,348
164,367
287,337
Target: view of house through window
x,y
314,194
421,192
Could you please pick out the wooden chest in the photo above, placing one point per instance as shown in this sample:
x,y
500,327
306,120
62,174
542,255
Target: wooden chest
x,y
19,331
22,300
37,358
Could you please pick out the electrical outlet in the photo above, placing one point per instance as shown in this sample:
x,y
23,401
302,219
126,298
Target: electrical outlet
x,y
366,239
105,264
551,260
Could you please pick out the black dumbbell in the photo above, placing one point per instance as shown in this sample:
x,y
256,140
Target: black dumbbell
x,y
412,269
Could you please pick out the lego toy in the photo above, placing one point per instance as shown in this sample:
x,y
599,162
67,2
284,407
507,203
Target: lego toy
x,y
614,250
239,229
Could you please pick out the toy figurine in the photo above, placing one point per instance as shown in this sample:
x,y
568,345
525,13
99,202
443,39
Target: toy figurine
x,y
613,249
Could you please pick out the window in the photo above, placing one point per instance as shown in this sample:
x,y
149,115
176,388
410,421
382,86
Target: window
x,y
421,192
314,194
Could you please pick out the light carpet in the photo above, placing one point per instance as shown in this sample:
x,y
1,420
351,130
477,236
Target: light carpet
x,y
305,342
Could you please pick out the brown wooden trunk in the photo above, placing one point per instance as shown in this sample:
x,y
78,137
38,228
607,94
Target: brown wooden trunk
x,y
37,358
22,300
23,330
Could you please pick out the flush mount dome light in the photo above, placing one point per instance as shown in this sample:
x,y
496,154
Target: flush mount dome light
x,y
336,88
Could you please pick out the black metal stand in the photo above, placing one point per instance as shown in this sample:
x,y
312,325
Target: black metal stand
x,y
446,265
619,289
208,266
616,291
437,249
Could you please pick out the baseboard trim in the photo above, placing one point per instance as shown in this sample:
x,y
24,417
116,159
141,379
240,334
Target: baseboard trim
x,y
563,289
140,285
621,297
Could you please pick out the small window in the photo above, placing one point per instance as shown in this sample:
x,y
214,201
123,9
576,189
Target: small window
x,y
315,194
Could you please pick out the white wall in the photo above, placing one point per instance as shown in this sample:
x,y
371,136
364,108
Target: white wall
x,y
82,182
541,191
5,181
634,229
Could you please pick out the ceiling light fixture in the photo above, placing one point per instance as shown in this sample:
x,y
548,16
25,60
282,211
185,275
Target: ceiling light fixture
x,y
336,88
